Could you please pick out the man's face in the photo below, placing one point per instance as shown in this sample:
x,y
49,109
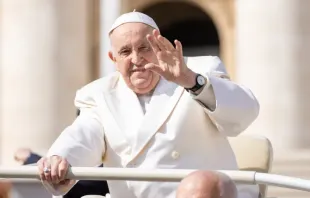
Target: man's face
x,y
131,52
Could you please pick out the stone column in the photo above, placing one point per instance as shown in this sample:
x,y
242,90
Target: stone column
x,y
273,45
109,11
44,60
1,77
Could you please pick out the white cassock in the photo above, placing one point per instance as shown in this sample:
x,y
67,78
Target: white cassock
x,y
177,131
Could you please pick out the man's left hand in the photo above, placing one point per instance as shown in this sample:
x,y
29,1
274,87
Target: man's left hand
x,y
171,63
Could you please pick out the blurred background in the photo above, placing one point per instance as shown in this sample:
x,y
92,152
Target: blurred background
x,y
51,48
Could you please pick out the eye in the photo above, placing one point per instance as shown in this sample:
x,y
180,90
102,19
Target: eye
x,y
125,52
144,48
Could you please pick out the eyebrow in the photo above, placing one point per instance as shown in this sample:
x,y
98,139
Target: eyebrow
x,y
123,48
146,44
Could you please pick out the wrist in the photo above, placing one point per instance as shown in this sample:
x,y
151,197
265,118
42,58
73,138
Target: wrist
x,y
200,82
189,79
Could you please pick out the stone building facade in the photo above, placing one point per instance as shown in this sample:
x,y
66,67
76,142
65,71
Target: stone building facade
x,y
51,48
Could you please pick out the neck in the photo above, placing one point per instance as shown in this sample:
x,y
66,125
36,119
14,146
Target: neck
x,y
146,94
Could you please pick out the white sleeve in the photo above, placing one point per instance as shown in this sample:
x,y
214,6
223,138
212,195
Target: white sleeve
x,y
82,143
230,106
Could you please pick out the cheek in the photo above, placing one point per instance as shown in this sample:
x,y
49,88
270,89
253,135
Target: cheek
x,y
150,57
124,67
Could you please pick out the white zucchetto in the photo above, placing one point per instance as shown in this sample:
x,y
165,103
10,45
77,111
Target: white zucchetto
x,y
133,17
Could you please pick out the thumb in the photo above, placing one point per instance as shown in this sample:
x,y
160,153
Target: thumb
x,y
153,67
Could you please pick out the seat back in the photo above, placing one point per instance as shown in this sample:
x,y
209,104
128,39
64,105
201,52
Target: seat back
x,y
253,153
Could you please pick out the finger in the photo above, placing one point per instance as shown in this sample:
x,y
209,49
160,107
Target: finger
x,y
40,165
157,38
47,174
168,45
54,169
160,42
62,170
179,47
164,41
154,67
156,32
153,43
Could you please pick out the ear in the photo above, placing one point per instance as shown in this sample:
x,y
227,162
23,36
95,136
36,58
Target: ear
x,y
110,54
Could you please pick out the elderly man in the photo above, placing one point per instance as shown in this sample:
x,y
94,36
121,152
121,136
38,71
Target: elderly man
x,y
207,184
159,110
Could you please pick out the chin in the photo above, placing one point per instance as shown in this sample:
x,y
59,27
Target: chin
x,y
143,88
140,87
142,83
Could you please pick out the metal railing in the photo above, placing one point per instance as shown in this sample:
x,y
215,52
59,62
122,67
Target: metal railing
x,y
172,175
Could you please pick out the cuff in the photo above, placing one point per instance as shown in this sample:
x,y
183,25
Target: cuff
x,y
206,97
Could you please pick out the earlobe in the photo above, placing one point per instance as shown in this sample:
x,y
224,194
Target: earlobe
x,y
110,54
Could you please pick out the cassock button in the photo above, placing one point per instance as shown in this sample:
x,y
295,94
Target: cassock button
x,y
175,155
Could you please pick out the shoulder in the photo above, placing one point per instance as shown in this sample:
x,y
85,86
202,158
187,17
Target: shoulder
x,y
205,64
101,85
86,96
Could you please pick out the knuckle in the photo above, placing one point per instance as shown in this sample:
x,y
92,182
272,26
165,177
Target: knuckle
x,y
62,167
41,161
53,174
61,170
55,157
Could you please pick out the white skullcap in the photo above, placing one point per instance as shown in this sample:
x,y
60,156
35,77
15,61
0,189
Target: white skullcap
x,y
133,17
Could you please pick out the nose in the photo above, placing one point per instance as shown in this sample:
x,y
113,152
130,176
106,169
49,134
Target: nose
x,y
136,58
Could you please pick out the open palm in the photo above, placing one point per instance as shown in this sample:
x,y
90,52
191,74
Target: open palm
x,y
171,63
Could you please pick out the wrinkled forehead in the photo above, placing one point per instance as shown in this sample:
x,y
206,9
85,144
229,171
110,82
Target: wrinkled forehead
x,y
129,33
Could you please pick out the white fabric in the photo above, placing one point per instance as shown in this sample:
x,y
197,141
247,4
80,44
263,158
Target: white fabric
x,y
177,131
133,17
145,102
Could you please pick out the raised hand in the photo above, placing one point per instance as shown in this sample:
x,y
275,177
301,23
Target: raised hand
x,y
171,63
